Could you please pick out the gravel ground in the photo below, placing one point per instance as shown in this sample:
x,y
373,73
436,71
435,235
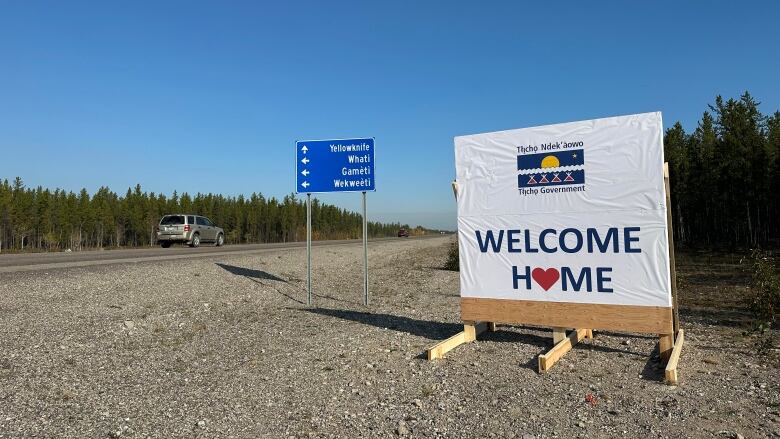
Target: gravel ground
x,y
226,347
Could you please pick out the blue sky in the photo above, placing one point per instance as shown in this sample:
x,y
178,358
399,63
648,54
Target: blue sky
x,y
211,96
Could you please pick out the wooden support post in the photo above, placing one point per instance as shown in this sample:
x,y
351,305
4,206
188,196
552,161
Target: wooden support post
x,y
670,374
470,329
491,326
670,237
665,345
469,334
558,335
547,360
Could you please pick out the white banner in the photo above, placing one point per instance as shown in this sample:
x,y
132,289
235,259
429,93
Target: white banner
x,y
573,212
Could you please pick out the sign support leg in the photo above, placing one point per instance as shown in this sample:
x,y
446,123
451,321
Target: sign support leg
x,y
547,360
469,334
670,374
308,248
670,235
365,251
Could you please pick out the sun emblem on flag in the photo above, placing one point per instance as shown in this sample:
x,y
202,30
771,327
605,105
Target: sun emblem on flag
x,y
551,168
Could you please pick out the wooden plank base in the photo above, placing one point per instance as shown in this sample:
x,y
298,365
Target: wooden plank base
x,y
670,374
647,319
469,334
547,360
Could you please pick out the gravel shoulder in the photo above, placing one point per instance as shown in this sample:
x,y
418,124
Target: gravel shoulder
x,y
226,347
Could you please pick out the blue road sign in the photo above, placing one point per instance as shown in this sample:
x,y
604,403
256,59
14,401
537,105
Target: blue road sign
x,y
344,165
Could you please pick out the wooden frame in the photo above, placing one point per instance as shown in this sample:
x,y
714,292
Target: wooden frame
x,y
663,321
650,319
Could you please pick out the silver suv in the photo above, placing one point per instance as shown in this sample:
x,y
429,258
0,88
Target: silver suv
x,y
190,229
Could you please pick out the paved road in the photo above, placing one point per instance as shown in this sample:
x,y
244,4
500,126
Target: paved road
x,y
11,263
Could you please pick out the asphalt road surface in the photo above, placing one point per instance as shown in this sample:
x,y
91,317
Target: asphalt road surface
x,y
12,263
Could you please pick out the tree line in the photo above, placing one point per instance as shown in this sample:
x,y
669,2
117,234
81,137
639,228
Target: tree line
x,y
725,177
42,219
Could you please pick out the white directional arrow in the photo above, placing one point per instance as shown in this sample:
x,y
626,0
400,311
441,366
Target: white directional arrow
x,y
305,172
304,149
305,184
305,160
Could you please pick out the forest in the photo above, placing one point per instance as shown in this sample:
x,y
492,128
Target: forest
x,y
725,177
41,219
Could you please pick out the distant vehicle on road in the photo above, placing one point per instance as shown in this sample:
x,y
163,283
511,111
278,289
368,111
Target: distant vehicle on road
x,y
189,229
403,233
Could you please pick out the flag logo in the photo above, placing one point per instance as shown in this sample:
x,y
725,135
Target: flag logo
x,y
551,168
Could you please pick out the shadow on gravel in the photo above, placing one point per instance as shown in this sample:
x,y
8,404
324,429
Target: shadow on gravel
x,y
256,276
249,272
514,337
607,349
420,328
624,335
653,370
544,341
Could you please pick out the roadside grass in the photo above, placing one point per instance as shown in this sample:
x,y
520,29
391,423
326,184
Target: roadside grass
x,y
718,283
452,263
730,290
712,287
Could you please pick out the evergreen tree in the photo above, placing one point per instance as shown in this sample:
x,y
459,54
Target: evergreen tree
x,y
724,177
46,220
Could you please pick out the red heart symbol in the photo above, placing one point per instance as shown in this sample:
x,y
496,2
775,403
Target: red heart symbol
x,y
545,278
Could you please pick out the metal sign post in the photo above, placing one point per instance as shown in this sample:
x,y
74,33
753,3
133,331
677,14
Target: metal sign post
x,y
365,251
308,247
340,165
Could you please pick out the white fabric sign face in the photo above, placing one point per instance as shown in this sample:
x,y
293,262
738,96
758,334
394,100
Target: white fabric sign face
x,y
573,212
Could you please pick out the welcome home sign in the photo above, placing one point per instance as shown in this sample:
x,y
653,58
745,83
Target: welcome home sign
x,y
573,212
